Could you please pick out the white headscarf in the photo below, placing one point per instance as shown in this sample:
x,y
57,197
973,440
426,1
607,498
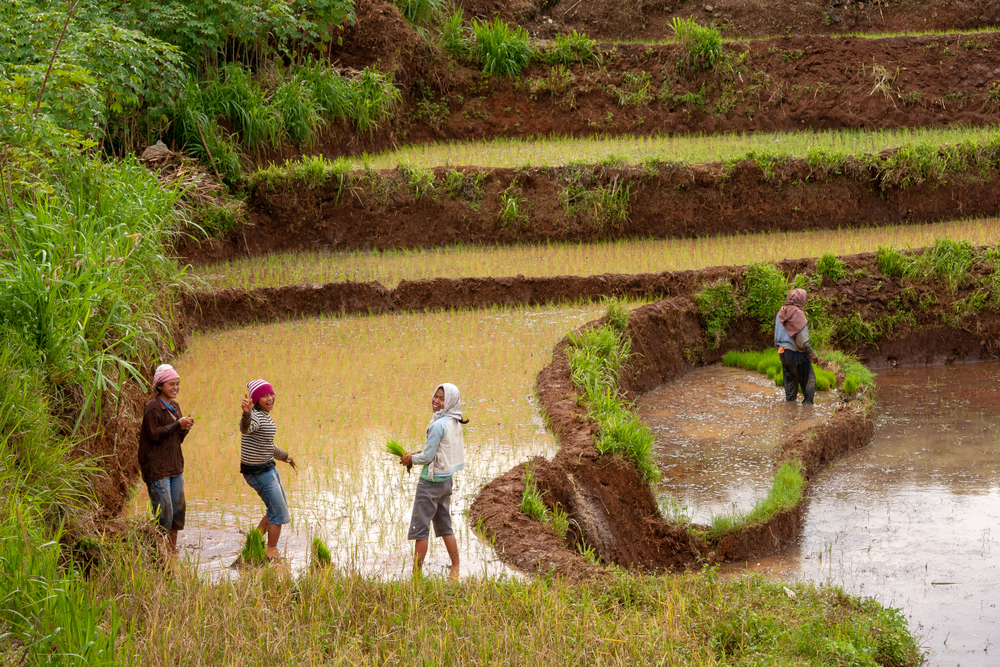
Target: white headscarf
x,y
452,402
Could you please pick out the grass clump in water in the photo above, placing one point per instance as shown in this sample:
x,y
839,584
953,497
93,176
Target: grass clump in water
x,y
785,494
596,358
253,551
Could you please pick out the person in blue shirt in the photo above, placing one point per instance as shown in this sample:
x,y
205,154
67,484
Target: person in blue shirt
x,y
443,455
791,337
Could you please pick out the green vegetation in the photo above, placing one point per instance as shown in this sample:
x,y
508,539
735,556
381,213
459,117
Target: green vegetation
x,y
513,207
785,494
502,50
702,45
947,260
763,293
320,554
826,151
717,305
596,357
607,205
570,49
769,363
531,500
395,448
253,552
830,266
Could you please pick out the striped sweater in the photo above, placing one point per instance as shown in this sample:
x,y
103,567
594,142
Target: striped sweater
x,y
257,448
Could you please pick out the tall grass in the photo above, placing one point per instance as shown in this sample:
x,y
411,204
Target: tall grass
x,y
702,45
501,49
596,358
947,260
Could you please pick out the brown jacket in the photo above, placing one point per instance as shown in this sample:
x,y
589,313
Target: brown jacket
x,y
160,441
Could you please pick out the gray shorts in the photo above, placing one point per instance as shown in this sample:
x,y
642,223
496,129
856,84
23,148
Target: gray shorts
x,y
432,503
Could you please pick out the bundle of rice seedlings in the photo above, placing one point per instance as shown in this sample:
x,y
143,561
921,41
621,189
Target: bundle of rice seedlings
x,y
396,449
253,552
320,553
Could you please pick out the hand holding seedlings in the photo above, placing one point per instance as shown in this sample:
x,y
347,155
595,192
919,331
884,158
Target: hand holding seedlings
x,y
396,449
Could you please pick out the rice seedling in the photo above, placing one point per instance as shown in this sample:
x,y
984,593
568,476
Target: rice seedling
x,y
395,448
346,388
253,552
627,256
785,494
769,363
826,146
320,554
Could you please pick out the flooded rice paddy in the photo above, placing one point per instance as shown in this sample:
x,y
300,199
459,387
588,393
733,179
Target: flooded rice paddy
x,y
344,385
716,432
647,256
913,520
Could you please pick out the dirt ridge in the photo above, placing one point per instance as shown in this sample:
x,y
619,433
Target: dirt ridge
x,y
676,201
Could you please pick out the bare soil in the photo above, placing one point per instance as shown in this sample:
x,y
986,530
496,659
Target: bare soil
x,y
701,200
797,81
650,19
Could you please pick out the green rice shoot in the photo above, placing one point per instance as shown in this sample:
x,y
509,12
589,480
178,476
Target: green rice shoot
x,y
253,552
395,448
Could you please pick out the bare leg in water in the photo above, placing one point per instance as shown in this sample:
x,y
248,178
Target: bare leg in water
x,y
450,543
273,532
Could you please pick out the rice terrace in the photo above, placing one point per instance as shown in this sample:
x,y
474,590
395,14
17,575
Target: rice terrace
x,y
677,323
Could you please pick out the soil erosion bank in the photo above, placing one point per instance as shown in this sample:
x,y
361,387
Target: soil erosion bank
x,y
417,208
615,512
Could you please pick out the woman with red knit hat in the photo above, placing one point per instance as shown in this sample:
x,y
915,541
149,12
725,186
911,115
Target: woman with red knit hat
x,y
257,455
791,337
160,457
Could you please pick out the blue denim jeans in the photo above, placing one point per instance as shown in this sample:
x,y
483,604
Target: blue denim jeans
x,y
167,498
268,487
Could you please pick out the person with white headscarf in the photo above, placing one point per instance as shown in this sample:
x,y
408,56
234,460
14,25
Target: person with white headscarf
x,y
443,455
161,460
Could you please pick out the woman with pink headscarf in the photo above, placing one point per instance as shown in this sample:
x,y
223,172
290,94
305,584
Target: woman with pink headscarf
x,y
161,460
791,337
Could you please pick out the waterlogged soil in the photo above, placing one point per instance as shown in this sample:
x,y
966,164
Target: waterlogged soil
x,y
912,520
345,385
717,432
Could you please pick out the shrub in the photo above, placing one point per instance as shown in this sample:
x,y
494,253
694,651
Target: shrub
x,y
502,50
702,46
831,267
570,49
765,289
717,306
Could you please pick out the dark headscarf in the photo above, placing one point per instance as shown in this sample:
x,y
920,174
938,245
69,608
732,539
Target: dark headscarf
x,y
791,316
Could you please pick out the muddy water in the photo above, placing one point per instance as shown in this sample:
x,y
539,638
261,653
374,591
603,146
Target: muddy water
x,y
716,432
343,386
914,520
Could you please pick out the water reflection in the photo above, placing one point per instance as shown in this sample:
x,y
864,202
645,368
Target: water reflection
x,y
717,430
344,385
910,519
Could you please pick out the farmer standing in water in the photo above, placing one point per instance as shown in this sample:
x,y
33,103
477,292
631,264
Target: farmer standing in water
x,y
791,337
443,455
160,457
257,455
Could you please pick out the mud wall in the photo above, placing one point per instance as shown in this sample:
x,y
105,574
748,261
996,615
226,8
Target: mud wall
x,y
367,212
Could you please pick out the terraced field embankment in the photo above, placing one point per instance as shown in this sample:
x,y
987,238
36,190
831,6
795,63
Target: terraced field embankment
x,y
409,208
615,512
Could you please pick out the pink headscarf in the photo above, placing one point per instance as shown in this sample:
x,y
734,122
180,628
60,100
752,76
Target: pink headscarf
x,y
164,373
791,316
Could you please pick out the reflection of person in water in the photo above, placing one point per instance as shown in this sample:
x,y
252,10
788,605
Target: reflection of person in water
x,y
791,337
443,455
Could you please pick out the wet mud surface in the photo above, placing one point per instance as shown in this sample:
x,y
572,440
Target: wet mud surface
x,y
912,520
718,432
